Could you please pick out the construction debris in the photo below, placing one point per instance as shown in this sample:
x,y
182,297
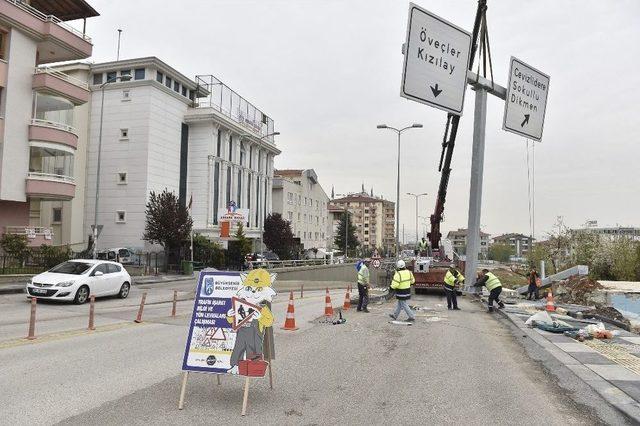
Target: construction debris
x,y
581,291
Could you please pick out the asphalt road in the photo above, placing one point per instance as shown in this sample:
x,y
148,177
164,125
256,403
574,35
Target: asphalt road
x,y
464,367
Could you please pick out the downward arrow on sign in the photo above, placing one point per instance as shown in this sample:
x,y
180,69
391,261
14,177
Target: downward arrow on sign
x,y
435,90
525,121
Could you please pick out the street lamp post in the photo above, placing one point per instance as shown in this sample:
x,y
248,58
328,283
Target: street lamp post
x,y
417,196
95,213
399,132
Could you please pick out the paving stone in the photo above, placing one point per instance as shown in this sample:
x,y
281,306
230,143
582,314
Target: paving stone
x,y
634,340
591,358
631,388
574,347
558,338
614,372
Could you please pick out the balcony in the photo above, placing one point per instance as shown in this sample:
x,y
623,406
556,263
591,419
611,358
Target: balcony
x,y
50,131
58,40
3,73
46,186
36,235
60,84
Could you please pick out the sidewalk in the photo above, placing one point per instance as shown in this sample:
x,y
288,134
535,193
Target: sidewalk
x,y
611,367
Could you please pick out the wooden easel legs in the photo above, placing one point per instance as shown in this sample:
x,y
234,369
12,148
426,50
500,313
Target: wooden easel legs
x,y
246,396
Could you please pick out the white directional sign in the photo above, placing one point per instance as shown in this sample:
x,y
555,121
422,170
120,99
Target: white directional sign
x,y
526,101
436,58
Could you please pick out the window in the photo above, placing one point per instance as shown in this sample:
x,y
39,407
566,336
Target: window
x,y
97,78
3,45
124,134
126,95
219,143
250,156
290,214
113,268
100,268
57,215
230,148
54,109
176,86
298,217
243,154
184,91
216,192
192,95
168,82
125,72
159,77
50,161
121,216
122,178
139,74
111,76
228,186
239,188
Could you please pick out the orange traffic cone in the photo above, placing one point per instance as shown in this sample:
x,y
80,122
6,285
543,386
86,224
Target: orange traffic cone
x,y
550,305
328,309
290,320
347,301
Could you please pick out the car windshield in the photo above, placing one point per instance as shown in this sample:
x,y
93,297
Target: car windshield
x,y
73,268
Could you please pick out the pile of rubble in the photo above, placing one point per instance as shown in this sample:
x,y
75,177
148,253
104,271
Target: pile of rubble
x,y
580,291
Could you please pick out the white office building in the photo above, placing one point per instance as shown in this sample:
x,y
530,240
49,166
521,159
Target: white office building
x,y
299,198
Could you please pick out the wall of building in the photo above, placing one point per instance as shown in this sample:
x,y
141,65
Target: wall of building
x,y
18,100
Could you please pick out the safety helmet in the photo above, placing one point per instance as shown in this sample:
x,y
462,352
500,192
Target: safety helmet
x,y
400,264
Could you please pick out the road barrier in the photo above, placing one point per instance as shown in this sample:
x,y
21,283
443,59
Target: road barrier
x,y
175,302
139,317
347,301
290,320
92,302
328,309
32,320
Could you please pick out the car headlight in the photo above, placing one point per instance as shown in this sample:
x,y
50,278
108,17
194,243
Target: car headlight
x,y
65,284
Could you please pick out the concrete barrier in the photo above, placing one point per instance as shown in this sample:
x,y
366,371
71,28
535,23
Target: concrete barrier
x,y
324,276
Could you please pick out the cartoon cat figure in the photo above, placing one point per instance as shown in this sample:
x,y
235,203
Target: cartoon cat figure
x,y
256,290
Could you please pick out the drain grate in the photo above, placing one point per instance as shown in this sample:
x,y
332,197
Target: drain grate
x,y
616,353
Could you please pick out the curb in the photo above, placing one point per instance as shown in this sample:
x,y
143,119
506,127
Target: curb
x,y
161,280
609,392
12,289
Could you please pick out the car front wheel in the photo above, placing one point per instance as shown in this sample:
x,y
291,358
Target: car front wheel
x,y
124,291
81,295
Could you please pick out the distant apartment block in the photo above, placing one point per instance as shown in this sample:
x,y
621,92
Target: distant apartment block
x,y
39,137
610,232
300,199
459,242
374,218
520,243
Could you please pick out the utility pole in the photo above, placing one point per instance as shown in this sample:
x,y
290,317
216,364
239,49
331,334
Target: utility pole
x,y
118,52
417,196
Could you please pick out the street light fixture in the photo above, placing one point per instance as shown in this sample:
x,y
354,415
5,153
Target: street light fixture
x,y
417,196
399,132
95,213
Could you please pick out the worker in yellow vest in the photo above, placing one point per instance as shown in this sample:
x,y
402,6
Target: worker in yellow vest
x,y
494,286
451,278
402,281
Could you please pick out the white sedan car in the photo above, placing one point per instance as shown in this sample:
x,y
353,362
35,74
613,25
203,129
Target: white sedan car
x,y
76,280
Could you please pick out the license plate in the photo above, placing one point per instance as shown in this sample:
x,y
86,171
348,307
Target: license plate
x,y
38,291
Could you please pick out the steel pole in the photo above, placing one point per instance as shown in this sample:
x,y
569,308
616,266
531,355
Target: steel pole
x,y
475,190
95,213
417,231
398,201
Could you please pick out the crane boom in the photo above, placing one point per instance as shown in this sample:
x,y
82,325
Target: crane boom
x,y
448,143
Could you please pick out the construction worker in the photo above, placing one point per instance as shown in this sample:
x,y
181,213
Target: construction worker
x,y
494,286
423,247
532,290
452,277
402,281
363,286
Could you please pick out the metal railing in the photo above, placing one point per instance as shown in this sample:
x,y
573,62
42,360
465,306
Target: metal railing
x,y
223,99
54,124
48,18
62,76
275,264
51,176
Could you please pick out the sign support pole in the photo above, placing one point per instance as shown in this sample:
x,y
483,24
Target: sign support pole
x,y
475,191
245,398
183,388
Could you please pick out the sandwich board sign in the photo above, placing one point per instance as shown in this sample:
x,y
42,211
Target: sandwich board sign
x,y
436,59
230,330
526,103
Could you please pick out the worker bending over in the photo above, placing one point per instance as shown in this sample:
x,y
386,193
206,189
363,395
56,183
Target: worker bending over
x,y
402,281
494,286
452,277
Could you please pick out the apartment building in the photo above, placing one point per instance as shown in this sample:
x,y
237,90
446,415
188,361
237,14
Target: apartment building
x,y
459,242
163,130
300,199
39,140
335,214
610,232
374,218
520,243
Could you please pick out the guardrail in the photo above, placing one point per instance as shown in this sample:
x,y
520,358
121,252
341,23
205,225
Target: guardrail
x,y
275,264
62,76
48,18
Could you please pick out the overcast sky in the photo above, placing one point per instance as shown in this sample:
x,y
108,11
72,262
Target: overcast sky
x,y
328,72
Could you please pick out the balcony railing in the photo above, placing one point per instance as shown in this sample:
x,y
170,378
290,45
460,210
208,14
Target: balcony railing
x,y
48,18
55,125
51,176
29,230
62,76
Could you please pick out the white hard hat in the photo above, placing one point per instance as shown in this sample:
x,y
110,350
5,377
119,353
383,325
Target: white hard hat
x,y
400,264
